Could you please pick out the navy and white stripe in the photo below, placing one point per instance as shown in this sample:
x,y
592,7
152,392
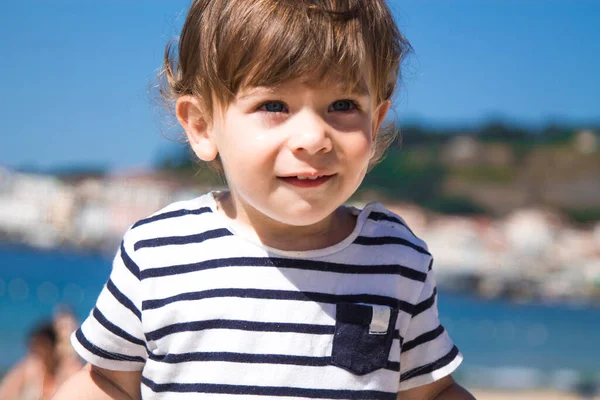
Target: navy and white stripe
x,y
204,311
286,263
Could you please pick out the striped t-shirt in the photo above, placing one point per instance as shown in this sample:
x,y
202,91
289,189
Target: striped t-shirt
x,y
205,312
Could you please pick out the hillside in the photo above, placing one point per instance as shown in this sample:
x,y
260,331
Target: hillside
x,y
493,170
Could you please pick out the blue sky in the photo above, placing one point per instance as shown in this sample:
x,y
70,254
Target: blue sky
x,y
75,73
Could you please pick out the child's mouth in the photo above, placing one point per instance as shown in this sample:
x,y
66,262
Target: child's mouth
x,y
306,181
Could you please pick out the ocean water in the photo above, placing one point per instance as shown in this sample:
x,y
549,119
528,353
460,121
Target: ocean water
x,y
504,344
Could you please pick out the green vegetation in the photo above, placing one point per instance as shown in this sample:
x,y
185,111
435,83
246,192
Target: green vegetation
x,y
583,215
407,176
485,173
454,206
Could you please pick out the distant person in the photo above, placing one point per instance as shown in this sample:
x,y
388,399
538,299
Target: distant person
x,y
274,288
34,377
68,361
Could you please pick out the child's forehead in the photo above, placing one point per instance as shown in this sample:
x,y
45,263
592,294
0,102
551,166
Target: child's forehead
x,y
329,84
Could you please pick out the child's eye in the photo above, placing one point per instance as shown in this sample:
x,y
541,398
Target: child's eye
x,y
343,105
273,107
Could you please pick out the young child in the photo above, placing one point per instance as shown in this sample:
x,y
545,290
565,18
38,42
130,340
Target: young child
x,y
274,288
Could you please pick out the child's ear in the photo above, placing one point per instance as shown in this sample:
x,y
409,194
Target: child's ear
x,y
379,116
192,117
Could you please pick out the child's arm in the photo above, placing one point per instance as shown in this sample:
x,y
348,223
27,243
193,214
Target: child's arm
x,y
444,389
111,339
101,384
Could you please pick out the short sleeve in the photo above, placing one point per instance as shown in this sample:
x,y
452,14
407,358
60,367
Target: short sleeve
x,y
112,337
427,353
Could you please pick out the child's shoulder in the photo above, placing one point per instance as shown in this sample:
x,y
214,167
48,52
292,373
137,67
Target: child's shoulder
x,y
172,220
386,227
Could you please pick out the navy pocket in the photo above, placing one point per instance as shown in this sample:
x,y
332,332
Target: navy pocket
x,y
363,337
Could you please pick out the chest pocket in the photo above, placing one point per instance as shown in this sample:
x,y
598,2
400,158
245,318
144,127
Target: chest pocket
x,y
363,337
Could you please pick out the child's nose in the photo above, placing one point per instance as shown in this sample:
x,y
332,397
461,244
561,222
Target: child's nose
x,y
310,134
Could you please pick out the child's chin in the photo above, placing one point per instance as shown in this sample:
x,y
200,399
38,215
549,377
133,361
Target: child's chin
x,y
304,218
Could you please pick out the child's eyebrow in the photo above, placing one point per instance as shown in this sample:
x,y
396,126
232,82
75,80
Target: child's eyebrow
x,y
359,89
244,94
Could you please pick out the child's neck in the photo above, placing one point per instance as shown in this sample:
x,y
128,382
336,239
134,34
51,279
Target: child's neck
x,y
328,232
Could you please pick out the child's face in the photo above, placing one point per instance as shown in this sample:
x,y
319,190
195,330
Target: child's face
x,y
273,142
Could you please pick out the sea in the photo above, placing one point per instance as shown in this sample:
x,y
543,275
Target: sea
x,y
506,345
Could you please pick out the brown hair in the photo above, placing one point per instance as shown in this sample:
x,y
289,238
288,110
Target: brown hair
x,y
228,45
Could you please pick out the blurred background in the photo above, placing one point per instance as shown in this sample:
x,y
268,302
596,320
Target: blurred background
x,y
498,169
